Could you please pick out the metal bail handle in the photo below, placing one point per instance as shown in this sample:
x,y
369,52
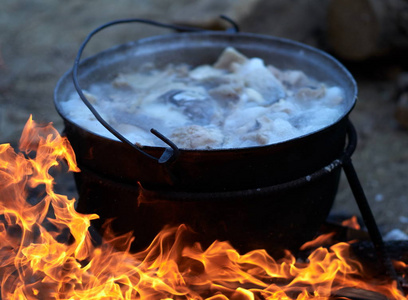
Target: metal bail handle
x,y
170,154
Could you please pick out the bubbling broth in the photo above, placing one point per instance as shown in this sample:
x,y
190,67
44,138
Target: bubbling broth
x,y
236,102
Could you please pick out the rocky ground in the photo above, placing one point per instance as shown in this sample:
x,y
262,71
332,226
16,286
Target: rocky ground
x,y
39,40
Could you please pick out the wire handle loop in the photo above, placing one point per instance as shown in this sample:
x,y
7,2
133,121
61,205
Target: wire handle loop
x,y
170,154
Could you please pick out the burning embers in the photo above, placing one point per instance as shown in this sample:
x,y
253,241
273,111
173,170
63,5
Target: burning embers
x,y
47,252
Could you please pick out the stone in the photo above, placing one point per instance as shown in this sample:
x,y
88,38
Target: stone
x,y
207,13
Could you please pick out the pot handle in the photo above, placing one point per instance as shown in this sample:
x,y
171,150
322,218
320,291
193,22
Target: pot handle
x,y
169,154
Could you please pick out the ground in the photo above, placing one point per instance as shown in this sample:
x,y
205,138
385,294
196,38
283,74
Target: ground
x,y
39,40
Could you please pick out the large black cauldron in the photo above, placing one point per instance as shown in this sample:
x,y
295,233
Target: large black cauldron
x,y
223,194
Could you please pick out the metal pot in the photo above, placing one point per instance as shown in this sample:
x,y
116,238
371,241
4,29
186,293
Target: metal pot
x,y
144,195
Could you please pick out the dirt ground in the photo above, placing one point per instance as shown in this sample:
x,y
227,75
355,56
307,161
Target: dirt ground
x,y
39,40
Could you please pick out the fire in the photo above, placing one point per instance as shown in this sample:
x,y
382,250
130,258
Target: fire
x,y
47,252
352,223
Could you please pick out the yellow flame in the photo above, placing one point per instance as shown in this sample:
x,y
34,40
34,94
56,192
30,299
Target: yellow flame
x,y
46,251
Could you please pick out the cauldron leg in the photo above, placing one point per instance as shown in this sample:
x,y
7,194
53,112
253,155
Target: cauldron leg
x,y
366,212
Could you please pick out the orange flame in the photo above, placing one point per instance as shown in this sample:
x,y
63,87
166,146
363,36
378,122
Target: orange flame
x,y
46,251
352,223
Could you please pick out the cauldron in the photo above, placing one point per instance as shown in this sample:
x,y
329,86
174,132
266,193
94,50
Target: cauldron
x,y
224,194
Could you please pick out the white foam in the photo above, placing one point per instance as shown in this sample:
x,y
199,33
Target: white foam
x,y
239,103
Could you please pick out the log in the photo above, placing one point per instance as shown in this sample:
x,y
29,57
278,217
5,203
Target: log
x,y
401,94
360,29
401,111
358,294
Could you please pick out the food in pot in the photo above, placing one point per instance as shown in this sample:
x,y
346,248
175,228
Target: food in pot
x,y
236,102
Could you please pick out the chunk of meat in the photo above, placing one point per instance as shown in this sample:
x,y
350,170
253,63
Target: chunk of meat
x,y
197,137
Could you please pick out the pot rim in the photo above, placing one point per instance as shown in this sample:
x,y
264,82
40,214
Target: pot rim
x,y
220,34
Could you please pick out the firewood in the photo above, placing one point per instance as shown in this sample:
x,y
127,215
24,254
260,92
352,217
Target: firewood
x,y
401,111
360,29
358,294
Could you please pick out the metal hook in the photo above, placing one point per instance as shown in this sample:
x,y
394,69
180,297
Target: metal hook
x,y
235,27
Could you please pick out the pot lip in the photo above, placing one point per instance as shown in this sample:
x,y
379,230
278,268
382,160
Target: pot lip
x,y
221,34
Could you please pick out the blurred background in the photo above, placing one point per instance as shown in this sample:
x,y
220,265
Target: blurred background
x,y
39,40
